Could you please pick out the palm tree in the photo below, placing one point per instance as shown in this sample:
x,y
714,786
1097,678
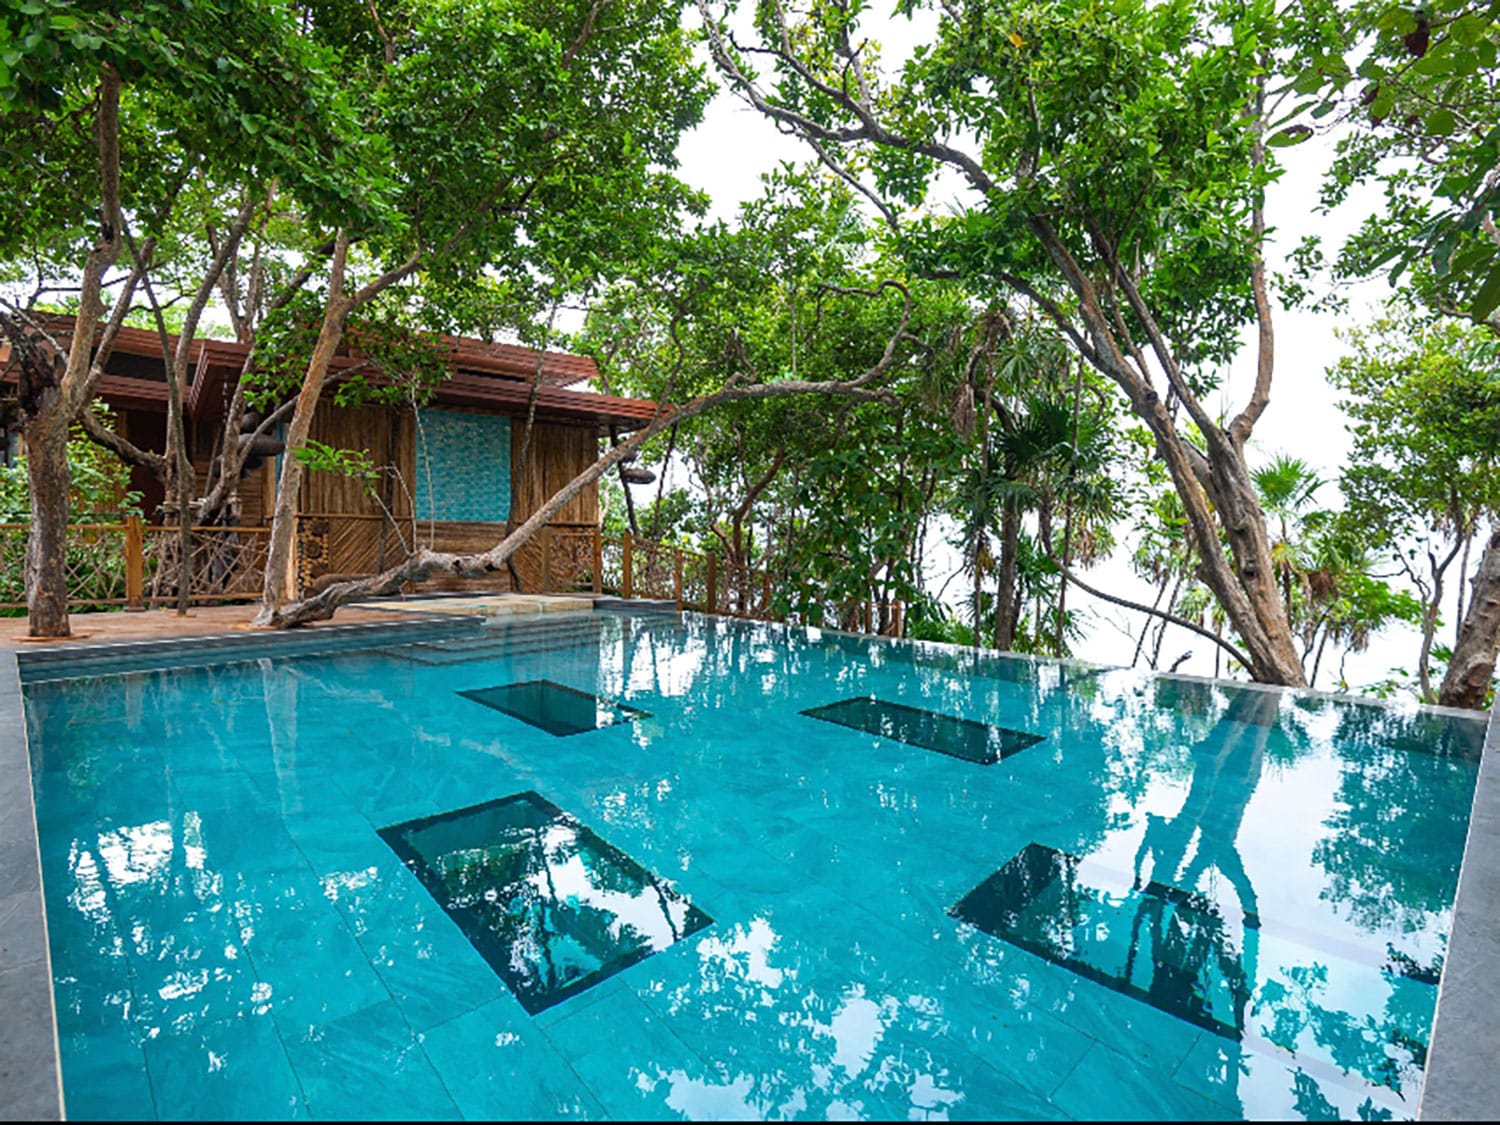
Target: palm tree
x,y
1287,486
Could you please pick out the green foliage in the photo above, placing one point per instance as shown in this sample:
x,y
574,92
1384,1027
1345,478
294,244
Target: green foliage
x,y
99,486
933,623
398,364
1122,127
830,495
231,88
353,464
1426,105
1425,407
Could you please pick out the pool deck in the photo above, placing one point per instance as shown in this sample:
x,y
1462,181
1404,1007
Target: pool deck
x,y
1463,1081
163,624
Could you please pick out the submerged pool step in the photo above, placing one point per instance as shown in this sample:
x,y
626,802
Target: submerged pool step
x,y
548,634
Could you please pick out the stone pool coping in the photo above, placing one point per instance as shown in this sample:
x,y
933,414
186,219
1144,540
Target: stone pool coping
x,y
1462,1081
29,1073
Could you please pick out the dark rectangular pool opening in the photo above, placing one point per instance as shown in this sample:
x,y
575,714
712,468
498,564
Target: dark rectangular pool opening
x,y
555,708
958,738
1159,944
528,886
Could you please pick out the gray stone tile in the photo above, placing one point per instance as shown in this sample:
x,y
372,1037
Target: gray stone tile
x,y
29,1083
1462,1080
23,938
28,1056
16,821
18,863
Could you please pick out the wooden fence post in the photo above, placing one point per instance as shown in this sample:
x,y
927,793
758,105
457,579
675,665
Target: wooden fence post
x,y
627,562
677,578
598,560
713,584
135,565
547,559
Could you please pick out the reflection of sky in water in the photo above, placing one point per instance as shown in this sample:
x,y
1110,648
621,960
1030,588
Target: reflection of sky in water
x,y
226,925
648,918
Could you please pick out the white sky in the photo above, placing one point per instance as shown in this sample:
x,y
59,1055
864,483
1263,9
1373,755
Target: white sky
x,y
735,145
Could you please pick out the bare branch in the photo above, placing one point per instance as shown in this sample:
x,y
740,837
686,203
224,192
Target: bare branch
x,y
1152,610
102,435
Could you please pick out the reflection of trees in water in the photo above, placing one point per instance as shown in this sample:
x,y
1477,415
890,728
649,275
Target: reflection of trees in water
x,y
142,908
1397,832
1388,1048
1201,836
539,936
1182,955
1191,944
826,1036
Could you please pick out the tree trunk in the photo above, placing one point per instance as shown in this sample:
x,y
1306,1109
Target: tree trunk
x,y
1005,593
277,589
1232,490
976,599
47,544
1473,664
1429,630
52,393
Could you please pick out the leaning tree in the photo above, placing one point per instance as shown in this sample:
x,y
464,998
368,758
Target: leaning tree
x,y
1113,160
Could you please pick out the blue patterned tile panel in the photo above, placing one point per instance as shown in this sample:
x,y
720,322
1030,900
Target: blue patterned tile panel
x,y
463,467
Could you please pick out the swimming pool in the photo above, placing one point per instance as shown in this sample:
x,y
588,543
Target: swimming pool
x,y
639,867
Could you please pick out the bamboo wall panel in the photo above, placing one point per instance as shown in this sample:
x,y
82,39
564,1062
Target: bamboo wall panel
x,y
349,545
256,492
558,454
346,545
382,433
472,538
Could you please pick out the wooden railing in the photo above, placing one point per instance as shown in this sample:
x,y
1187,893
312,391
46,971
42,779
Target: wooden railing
x,y
135,565
633,567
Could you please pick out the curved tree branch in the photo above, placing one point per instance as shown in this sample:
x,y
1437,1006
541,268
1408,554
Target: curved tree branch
x,y
1153,611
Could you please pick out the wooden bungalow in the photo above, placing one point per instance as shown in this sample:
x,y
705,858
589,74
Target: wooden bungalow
x,y
458,484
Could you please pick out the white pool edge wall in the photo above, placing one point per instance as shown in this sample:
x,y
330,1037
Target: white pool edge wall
x,y
1462,1076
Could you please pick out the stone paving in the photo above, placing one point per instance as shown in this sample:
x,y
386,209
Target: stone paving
x,y
164,624
487,605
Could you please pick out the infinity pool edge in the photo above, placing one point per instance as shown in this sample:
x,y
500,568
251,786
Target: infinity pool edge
x,y
1461,1081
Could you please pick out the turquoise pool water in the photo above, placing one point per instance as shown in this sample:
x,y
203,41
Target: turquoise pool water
x,y
334,886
